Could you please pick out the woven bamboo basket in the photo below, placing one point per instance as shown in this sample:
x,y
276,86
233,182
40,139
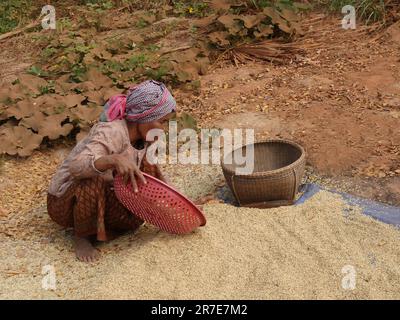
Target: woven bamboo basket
x,y
278,170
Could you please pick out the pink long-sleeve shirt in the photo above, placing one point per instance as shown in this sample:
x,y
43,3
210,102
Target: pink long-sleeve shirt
x,y
104,138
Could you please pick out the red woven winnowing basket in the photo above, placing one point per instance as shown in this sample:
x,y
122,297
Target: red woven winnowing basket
x,y
159,204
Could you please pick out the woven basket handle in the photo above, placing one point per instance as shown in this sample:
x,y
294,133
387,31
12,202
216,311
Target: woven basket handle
x,y
296,179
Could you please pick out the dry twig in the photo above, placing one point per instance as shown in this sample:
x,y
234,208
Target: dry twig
x,y
17,32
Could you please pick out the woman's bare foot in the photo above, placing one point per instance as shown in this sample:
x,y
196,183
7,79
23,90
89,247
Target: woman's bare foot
x,y
84,250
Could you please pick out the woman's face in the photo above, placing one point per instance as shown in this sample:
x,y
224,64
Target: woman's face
x,y
162,124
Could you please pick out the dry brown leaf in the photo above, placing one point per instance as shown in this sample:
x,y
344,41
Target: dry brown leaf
x,y
62,84
85,86
49,126
131,40
205,22
86,114
219,37
95,96
9,124
227,20
252,20
289,15
277,19
109,92
98,79
73,100
32,83
65,40
297,28
128,76
4,94
3,112
23,108
52,127
50,104
19,140
89,59
119,21
184,56
33,122
263,30
99,53
72,58
220,4
14,92
230,22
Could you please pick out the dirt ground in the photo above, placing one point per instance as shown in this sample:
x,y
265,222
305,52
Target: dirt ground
x,y
340,101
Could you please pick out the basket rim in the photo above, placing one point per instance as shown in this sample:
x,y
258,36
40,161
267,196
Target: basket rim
x,y
271,172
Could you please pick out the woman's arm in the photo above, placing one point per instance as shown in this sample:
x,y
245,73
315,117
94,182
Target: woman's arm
x,y
103,152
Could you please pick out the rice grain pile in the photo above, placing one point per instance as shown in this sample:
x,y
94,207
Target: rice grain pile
x,y
289,252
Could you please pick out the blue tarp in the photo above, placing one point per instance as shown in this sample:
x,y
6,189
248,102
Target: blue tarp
x,y
382,212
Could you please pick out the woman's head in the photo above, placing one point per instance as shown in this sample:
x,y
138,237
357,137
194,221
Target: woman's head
x,y
145,103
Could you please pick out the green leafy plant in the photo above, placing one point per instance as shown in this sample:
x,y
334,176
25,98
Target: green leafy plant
x,y
191,8
99,5
136,61
153,47
142,23
13,13
48,52
109,67
193,29
63,24
157,74
78,72
82,49
47,89
36,71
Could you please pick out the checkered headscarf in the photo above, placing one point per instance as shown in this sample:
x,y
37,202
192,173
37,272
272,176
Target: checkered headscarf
x,y
146,102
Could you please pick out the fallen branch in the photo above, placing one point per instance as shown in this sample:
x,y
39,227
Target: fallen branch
x,y
176,49
16,32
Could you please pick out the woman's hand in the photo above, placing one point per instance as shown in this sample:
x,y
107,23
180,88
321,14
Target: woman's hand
x,y
128,169
123,165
